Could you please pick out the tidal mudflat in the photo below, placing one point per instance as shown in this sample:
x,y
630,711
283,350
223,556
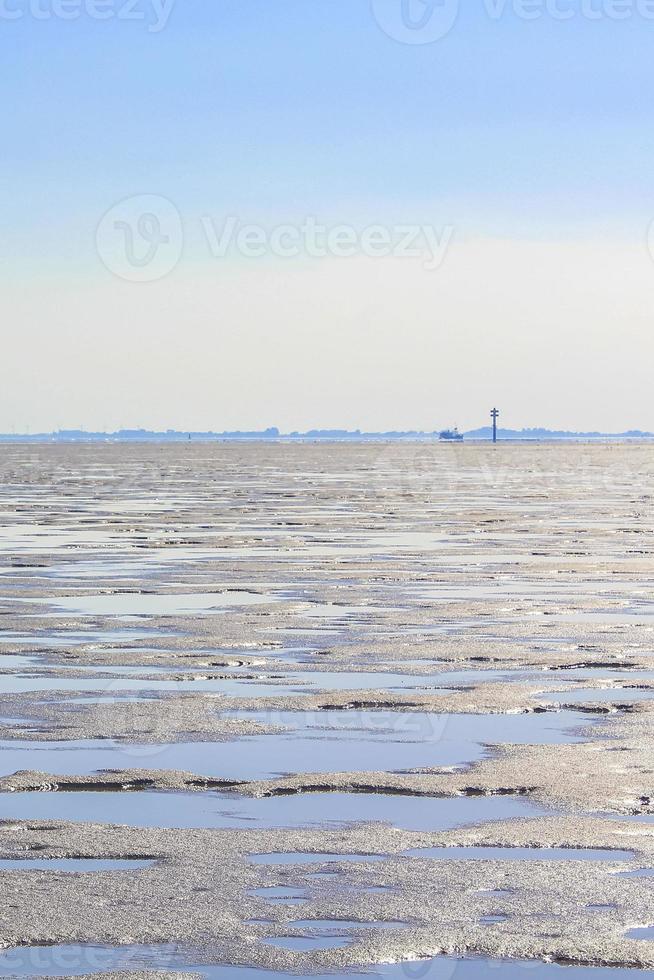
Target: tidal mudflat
x,y
368,709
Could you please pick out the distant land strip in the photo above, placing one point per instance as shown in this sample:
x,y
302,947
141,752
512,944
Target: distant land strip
x,y
334,435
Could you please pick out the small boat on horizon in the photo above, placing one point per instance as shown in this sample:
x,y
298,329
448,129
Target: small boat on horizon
x,y
451,435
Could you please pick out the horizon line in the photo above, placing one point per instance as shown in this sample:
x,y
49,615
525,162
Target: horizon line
x,y
272,433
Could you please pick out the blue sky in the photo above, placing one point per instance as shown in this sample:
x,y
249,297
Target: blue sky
x,y
509,130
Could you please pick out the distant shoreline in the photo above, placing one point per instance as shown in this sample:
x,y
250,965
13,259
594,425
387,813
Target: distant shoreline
x,y
475,436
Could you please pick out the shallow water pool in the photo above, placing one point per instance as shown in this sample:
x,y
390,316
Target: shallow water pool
x,y
322,741
207,809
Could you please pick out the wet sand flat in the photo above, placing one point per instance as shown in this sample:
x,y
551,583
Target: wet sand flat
x,y
415,679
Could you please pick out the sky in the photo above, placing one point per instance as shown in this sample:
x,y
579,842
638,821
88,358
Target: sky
x,y
376,214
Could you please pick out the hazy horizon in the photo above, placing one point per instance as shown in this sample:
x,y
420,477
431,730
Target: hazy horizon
x,y
274,432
